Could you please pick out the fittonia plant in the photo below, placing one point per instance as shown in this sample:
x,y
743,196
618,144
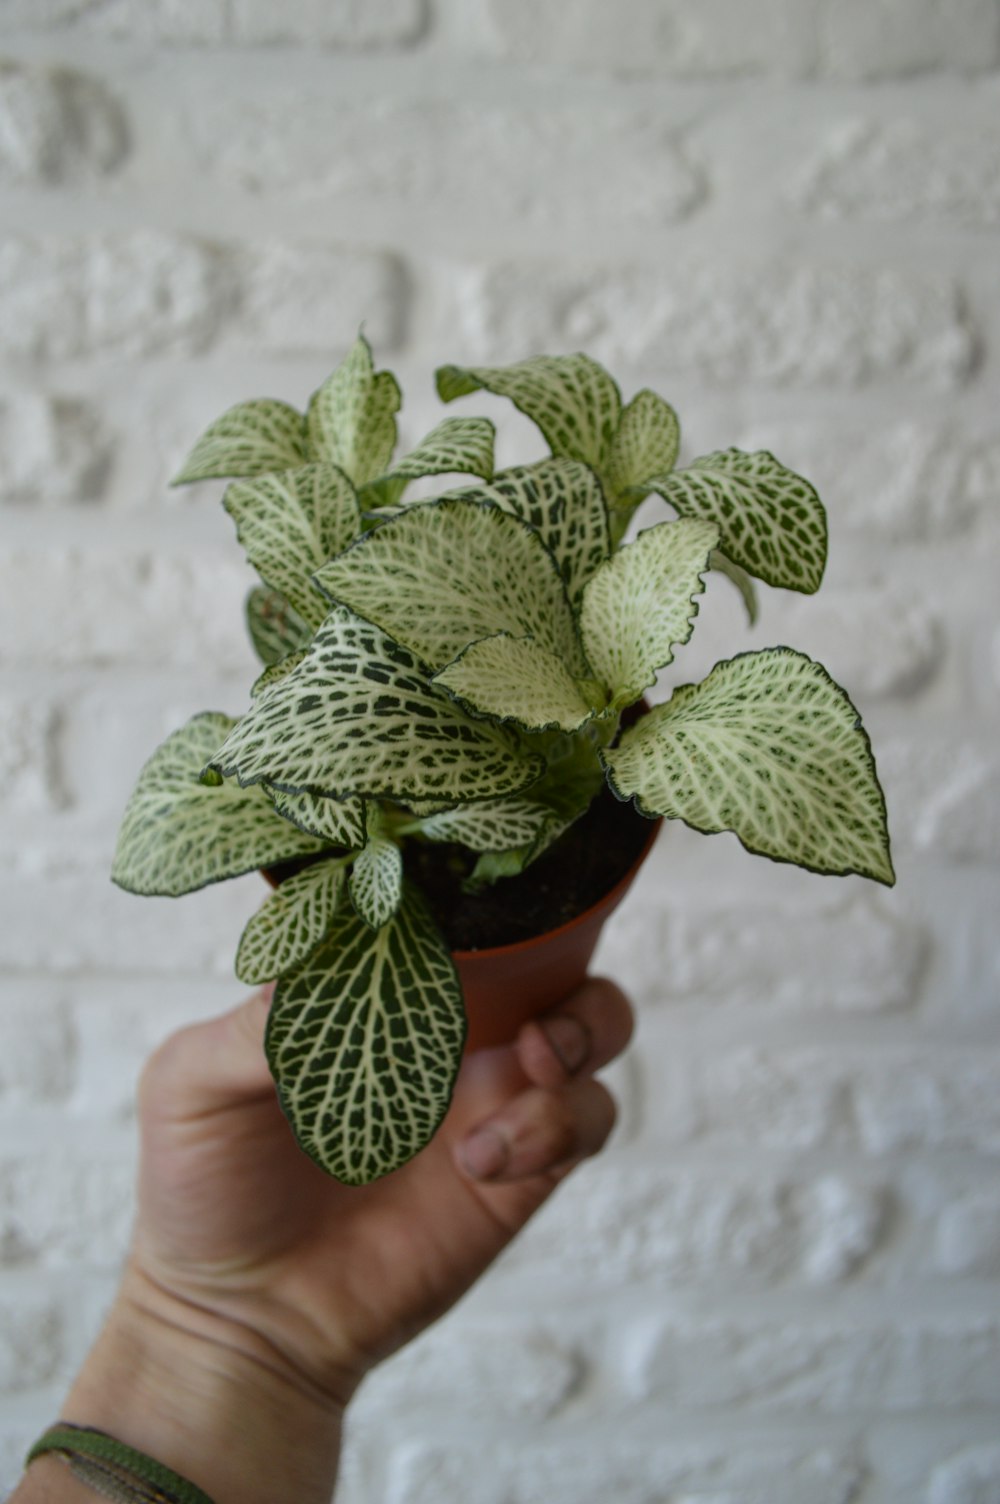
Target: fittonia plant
x,y
455,670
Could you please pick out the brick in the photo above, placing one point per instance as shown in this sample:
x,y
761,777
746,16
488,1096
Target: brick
x,y
312,299
780,324
971,1476
827,1368
57,126
133,293
902,171
949,1102
30,772
677,39
464,158
39,1058
150,21
53,451
145,608
875,638
32,1342
899,482
353,25
66,1209
606,1467
967,1236
896,38
944,792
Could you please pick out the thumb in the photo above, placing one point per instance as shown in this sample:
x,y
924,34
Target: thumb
x,y
210,1066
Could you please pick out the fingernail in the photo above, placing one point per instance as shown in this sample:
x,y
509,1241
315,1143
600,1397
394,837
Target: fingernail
x,y
484,1154
568,1038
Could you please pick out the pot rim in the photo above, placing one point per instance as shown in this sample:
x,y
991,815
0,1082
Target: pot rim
x,y
520,946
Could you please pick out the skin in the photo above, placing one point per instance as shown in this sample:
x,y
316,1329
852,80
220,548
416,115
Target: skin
x,y
258,1292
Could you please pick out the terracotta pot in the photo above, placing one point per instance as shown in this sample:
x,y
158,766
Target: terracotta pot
x,y
507,985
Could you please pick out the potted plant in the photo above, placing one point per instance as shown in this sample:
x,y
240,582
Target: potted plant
x,y
449,697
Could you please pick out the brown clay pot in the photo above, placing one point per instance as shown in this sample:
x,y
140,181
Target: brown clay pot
x,y
505,986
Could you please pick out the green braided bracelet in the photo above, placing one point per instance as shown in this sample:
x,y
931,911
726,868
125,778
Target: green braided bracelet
x,y
111,1468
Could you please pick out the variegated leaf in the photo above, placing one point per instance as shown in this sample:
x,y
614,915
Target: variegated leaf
x,y
365,1039
444,574
457,446
352,418
493,825
276,628
640,604
358,716
573,400
290,523
276,671
377,874
739,577
646,443
770,520
339,821
179,834
566,792
768,746
290,923
563,501
250,439
516,679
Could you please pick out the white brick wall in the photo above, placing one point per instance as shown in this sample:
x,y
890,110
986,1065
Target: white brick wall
x,y
781,1284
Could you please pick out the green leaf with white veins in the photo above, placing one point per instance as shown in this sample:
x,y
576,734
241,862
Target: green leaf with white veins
x,y
250,439
377,874
358,716
457,446
516,679
276,628
179,834
646,443
573,400
770,520
290,523
493,825
339,821
352,418
290,923
640,604
563,501
365,1039
444,574
769,747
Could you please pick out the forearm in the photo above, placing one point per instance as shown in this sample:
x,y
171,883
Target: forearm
x,y
202,1396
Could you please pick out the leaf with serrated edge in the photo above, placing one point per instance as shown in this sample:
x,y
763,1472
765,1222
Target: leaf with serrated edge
x,y
290,923
250,439
377,874
446,573
739,577
352,418
646,443
179,834
276,671
572,399
516,679
276,628
563,501
493,825
358,716
641,604
365,1039
457,446
290,524
769,747
770,520
339,821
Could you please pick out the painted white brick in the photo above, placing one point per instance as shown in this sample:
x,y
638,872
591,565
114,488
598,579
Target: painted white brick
x,y
948,1102
350,24
843,1221
66,1209
30,774
899,481
903,170
894,38
52,451
969,1477
56,126
134,20
784,324
149,608
313,299
133,293
832,1368
967,1237
32,1339
874,638
737,1472
944,792
39,1058
469,158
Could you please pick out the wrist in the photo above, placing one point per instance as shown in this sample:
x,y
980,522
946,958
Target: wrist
x,y
208,1398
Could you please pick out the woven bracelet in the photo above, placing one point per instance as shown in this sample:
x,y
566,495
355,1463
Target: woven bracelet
x,y
111,1468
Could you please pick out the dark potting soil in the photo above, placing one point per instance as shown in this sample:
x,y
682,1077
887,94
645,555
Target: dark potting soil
x,y
574,873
